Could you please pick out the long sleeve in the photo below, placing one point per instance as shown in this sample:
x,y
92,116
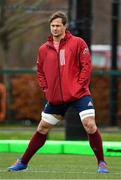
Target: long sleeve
x,y
85,64
40,72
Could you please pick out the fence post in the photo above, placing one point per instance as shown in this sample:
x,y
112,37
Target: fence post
x,y
80,25
113,78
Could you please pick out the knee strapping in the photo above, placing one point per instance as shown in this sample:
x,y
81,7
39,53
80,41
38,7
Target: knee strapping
x,y
50,118
87,113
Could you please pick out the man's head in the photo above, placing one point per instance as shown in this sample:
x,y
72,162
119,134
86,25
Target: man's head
x,y
58,24
59,14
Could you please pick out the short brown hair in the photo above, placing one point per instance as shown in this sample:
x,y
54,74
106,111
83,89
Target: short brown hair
x,y
59,14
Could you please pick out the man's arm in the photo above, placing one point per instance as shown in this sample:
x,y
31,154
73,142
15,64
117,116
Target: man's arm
x,y
86,64
40,73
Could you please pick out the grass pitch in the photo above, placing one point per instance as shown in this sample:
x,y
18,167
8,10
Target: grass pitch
x,y
59,167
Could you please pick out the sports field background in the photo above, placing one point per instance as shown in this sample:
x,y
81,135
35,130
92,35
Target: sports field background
x,y
59,167
17,132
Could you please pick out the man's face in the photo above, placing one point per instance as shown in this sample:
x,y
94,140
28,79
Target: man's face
x,y
57,28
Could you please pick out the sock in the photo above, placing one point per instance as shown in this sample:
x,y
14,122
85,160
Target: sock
x,y
35,143
95,141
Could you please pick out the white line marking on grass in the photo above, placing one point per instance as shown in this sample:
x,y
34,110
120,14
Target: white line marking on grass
x,y
56,171
3,170
66,172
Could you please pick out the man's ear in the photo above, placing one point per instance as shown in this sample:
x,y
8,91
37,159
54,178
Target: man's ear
x,y
65,26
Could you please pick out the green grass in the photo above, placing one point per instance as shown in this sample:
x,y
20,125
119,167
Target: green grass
x,y
11,135
60,167
57,166
24,134
111,136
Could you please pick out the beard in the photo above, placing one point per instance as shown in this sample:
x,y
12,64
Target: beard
x,y
56,35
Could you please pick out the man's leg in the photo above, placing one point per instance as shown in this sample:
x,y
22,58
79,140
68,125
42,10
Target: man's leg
x,y
87,115
36,142
95,141
94,137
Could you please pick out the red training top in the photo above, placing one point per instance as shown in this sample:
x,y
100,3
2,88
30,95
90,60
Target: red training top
x,y
64,76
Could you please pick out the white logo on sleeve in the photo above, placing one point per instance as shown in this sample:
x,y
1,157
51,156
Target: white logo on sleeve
x,y
86,50
62,57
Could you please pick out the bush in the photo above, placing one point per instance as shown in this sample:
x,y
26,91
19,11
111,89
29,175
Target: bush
x,y
27,97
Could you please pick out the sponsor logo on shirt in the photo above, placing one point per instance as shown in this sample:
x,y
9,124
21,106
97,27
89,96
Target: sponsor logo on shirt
x,y
62,57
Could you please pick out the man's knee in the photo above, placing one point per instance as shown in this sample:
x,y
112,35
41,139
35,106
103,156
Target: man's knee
x,y
88,120
44,127
89,125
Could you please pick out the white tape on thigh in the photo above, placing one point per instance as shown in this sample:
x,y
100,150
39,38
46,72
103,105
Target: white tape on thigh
x,y
50,118
86,113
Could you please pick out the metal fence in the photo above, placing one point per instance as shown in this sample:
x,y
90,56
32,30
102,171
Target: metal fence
x,y
25,100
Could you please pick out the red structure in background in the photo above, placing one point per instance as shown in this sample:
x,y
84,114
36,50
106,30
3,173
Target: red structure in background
x,y
2,102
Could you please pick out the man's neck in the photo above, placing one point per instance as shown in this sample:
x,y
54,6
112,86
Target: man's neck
x,y
58,39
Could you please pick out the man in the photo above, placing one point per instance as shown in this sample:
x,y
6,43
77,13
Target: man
x,y
64,70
